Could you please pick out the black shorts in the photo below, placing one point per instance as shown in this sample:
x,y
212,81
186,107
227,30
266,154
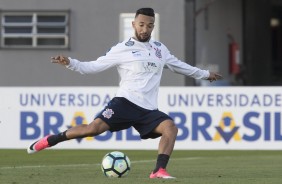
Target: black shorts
x,y
121,114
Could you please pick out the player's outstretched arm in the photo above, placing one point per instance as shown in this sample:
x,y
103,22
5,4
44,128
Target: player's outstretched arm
x,y
214,76
63,60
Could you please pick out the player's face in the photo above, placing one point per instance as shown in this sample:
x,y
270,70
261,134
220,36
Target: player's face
x,y
143,26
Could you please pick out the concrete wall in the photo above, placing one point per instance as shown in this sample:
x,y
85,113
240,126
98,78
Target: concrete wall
x,y
213,24
95,29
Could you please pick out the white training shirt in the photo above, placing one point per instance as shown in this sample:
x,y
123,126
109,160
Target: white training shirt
x,y
140,66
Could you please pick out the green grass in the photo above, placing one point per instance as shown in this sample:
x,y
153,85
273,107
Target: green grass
x,y
193,167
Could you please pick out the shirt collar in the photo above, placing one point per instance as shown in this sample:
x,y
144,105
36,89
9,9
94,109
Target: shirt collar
x,y
151,41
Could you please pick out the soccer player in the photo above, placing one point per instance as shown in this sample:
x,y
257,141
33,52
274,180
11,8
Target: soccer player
x,y
140,62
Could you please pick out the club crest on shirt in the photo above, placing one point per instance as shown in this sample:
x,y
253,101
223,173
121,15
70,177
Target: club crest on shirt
x,y
157,43
108,113
158,53
129,43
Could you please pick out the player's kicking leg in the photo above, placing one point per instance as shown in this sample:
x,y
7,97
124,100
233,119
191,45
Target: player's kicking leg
x,y
169,132
96,127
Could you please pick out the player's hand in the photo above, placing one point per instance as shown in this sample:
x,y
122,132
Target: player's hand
x,y
214,76
60,60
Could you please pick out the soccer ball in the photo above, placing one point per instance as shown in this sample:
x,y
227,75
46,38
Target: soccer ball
x,y
115,164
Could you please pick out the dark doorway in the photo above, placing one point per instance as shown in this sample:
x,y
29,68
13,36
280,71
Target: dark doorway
x,y
257,43
276,40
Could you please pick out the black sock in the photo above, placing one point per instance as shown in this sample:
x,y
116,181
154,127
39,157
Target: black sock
x,y
55,139
161,162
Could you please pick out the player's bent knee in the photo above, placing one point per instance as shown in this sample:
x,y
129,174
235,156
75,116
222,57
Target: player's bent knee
x,y
171,128
167,128
174,129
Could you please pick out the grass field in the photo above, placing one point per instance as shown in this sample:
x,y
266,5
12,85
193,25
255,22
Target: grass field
x,y
192,167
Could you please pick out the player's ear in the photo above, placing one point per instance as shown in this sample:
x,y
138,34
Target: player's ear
x,y
133,24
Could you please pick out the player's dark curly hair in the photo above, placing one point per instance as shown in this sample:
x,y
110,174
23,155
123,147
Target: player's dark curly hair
x,y
145,11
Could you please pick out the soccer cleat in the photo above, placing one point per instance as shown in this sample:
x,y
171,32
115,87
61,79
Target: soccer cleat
x,y
38,145
161,173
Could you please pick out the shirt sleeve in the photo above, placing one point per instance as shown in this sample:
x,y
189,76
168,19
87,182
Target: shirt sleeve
x,y
111,59
181,67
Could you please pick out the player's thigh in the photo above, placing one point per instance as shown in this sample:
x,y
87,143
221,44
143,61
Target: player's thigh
x,y
166,126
